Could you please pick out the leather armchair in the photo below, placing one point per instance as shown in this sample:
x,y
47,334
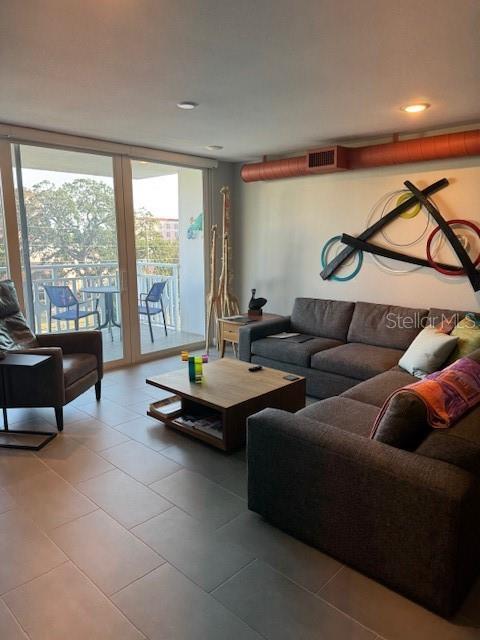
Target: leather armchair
x,y
75,366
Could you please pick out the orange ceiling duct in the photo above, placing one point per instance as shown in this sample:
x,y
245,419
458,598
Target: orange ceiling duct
x,y
450,145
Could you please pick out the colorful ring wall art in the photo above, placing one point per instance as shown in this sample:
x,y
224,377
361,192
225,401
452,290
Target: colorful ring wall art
x,y
413,221
328,246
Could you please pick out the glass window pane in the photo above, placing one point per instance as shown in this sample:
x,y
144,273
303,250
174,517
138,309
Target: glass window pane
x,y
168,207
4,273
68,238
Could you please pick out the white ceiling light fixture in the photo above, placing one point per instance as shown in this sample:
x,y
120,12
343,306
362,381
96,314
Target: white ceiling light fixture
x,y
214,147
416,108
187,105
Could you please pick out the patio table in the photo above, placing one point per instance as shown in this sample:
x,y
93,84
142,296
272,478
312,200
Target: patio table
x,y
108,292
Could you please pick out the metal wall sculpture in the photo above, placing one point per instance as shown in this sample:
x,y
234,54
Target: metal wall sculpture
x,y
409,204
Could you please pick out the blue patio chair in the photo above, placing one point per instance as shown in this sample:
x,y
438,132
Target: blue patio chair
x,y
62,297
154,296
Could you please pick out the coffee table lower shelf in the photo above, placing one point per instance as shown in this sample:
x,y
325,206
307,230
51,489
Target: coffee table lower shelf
x,y
196,433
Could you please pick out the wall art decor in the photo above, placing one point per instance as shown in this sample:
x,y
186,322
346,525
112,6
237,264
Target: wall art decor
x,y
221,301
196,227
432,229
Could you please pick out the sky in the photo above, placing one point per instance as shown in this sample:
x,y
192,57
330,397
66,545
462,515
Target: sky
x,y
158,194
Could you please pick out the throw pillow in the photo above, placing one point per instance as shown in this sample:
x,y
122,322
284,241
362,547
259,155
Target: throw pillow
x,y
468,333
428,352
402,423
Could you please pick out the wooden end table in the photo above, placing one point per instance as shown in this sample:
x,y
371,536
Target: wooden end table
x,y
229,330
231,392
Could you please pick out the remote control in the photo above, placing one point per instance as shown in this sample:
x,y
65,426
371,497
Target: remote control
x,y
257,367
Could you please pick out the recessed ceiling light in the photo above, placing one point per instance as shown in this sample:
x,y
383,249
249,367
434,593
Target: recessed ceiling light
x,y
416,108
214,147
187,105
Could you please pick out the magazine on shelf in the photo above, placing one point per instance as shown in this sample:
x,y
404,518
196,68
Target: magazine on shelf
x,y
211,424
166,408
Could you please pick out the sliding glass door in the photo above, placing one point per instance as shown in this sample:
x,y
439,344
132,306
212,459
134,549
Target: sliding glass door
x,y
169,255
67,223
97,240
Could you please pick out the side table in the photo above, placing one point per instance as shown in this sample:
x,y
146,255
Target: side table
x,y
229,330
12,360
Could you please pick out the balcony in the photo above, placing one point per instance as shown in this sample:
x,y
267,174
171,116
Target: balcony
x,y
81,276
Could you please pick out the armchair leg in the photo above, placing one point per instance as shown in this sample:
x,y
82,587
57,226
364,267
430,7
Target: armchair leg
x,y
150,326
98,390
164,319
59,417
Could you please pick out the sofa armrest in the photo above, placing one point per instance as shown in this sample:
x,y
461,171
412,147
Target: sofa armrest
x,y
76,342
257,330
408,521
38,387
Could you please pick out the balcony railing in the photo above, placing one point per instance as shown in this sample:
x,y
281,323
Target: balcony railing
x,y
80,276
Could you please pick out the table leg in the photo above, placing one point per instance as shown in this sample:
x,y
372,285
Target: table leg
x,y
49,435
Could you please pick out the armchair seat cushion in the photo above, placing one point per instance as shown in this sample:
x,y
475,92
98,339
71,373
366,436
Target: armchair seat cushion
x,y
356,360
291,352
77,365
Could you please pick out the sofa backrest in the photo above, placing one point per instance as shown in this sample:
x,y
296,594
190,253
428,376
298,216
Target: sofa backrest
x,y
436,316
318,317
385,325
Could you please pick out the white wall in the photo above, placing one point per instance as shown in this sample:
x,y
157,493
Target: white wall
x,y
192,287
281,226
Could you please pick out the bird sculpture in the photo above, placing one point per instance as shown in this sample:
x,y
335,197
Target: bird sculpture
x,y
255,305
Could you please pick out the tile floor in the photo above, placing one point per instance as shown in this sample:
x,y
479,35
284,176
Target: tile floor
x,y
121,529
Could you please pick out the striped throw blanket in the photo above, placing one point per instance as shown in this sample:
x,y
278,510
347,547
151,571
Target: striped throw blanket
x,y
447,394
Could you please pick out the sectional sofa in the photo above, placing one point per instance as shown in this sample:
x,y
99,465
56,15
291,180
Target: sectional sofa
x,y
351,341
407,516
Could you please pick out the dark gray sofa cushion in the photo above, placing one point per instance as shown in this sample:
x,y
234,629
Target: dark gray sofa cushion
x,y
385,325
291,352
319,383
343,413
360,361
376,390
326,318
443,445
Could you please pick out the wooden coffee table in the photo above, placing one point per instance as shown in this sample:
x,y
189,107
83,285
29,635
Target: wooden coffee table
x,y
229,392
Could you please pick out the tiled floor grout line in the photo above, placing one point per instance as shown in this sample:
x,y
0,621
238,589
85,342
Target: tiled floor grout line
x,y
347,615
312,593
330,579
127,586
124,615
91,579
27,635
245,566
40,575
208,593
150,518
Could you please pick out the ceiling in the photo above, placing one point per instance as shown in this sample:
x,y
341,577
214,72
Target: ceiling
x,y
269,76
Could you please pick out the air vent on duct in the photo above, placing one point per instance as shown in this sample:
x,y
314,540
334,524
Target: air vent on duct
x,y
327,159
